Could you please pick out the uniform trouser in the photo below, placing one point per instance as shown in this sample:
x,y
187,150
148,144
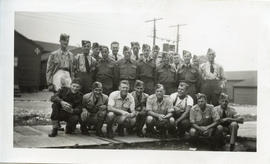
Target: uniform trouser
x,y
212,89
152,122
184,125
169,87
149,85
192,91
140,119
215,134
120,120
231,128
86,81
60,115
95,118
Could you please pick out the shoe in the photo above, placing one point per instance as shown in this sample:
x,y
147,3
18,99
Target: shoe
x,y
140,134
232,146
53,133
120,131
130,131
109,132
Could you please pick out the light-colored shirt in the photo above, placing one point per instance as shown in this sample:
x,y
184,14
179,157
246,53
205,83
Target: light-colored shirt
x,y
230,112
203,118
80,63
163,107
116,101
119,56
206,74
181,104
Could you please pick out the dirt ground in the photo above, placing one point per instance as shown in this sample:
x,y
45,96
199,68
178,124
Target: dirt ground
x,y
35,109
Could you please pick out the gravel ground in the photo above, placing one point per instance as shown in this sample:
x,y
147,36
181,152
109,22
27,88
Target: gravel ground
x,y
35,109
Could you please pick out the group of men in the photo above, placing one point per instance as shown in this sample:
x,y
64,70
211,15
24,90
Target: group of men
x,y
133,90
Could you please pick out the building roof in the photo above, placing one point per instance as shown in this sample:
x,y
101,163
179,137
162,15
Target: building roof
x,y
29,40
252,82
49,47
240,75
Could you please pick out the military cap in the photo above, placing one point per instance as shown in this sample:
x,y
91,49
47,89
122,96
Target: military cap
x,y
64,36
156,47
126,48
183,84
210,51
145,46
95,45
139,83
224,96
114,44
135,44
201,95
96,84
186,52
102,47
84,42
77,81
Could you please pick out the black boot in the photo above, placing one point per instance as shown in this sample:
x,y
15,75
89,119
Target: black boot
x,y
53,133
120,130
109,131
99,129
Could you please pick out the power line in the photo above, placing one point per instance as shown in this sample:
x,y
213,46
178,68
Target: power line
x,y
154,31
177,35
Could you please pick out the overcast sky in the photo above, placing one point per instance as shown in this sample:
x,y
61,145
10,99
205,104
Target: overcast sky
x,y
230,28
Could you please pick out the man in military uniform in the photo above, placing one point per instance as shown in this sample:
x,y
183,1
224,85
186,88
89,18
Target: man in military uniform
x,y
115,48
140,106
121,110
229,119
67,106
147,70
204,120
182,103
105,71
189,74
196,62
213,78
156,55
159,109
166,75
135,46
60,65
94,109
126,68
177,61
96,51
86,67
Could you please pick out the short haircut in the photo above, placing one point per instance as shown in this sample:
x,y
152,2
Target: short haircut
x,y
124,82
183,84
76,81
223,96
139,83
95,45
96,84
104,47
158,86
201,95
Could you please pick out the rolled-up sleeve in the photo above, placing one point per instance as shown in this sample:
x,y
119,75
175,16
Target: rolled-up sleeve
x,y
170,108
215,114
111,101
132,104
192,116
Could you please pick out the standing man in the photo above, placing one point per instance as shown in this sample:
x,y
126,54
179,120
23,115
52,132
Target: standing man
x,y
105,71
95,51
86,67
189,74
213,78
166,75
60,65
94,109
126,68
229,119
67,106
196,62
182,103
204,120
156,55
121,109
147,70
115,49
177,62
135,46
140,106
159,108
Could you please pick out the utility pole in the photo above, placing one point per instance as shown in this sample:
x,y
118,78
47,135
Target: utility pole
x,y
154,31
177,36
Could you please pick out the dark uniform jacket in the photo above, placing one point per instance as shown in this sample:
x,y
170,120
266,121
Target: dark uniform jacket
x,y
126,70
92,104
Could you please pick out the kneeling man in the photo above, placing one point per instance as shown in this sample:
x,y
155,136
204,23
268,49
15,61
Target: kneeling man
x,y
182,103
229,119
94,109
204,120
159,107
121,109
67,106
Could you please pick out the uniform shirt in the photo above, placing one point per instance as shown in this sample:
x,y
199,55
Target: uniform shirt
x,y
91,103
119,56
116,101
230,112
146,68
80,62
188,74
140,102
105,69
65,94
59,60
181,104
203,118
207,75
163,107
165,74
126,69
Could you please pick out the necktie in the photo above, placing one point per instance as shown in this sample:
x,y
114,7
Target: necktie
x,y
87,67
115,57
224,114
212,68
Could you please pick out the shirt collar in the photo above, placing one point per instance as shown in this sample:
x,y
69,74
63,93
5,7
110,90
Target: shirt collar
x,y
120,98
